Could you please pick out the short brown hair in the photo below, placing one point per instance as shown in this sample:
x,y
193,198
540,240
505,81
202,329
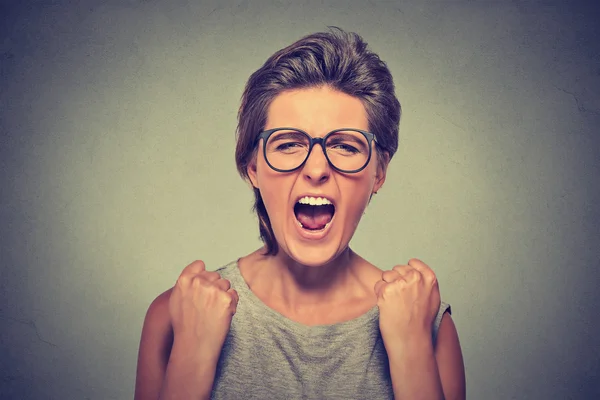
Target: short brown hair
x,y
338,59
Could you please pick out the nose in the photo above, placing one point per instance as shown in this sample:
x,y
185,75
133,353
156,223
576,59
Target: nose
x,y
317,168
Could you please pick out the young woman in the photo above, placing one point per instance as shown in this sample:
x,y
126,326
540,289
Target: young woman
x,y
305,317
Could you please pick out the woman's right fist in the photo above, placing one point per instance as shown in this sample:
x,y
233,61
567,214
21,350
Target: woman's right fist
x,y
201,307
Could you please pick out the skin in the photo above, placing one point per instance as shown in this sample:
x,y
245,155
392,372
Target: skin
x,y
311,282
312,272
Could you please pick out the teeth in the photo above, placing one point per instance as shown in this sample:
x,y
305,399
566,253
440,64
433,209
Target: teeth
x,y
325,227
314,201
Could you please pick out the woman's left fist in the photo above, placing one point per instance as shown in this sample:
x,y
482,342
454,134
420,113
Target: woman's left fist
x,y
408,298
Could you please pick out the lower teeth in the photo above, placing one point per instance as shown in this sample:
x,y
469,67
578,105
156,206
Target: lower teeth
x,y
314,230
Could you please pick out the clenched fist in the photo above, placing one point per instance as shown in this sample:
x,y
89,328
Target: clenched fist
x,y
201,307
409,299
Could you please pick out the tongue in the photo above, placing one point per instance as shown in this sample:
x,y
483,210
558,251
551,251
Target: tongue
x,y
314,217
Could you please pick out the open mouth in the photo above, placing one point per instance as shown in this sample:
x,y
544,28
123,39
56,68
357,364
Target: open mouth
x,y
314,213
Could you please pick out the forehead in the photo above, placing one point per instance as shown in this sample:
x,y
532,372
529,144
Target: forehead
x,y
316,110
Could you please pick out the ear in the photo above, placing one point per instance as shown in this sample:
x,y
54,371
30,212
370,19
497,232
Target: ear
x,y
251,170
382,164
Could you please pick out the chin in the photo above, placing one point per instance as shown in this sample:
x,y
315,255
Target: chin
x,y
313,252
316,257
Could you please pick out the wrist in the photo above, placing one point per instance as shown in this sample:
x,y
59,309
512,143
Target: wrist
x,y
194,352
414,342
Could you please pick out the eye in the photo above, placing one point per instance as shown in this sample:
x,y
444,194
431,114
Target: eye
x,y
347,143
288,146
345,148
287,142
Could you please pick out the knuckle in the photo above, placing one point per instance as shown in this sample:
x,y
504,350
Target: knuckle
x,y
183,273
389,275
183,280
226,284
197,281
411,278
228,298
225,299
194,267
414,261
212,275
388,290
212,286
402,269
429,276
433,280
234,296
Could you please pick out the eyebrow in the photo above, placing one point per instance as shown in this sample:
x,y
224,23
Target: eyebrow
x,y
288,134
340,135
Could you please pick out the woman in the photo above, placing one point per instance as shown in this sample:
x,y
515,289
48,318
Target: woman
x,y
318,125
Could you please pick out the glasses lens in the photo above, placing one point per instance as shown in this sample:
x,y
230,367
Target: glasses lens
x,y
287,149
347,150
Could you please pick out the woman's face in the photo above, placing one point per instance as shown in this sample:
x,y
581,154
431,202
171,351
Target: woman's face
x,y
316,111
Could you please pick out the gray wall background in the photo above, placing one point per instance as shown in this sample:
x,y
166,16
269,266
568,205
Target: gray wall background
x,y
117,127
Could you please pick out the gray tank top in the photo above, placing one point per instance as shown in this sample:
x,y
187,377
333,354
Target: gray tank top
x,y
267,356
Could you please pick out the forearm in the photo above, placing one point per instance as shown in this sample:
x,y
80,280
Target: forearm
x,y
414,371
189,376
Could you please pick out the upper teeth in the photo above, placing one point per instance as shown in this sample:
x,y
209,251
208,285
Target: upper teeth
x,y
314,201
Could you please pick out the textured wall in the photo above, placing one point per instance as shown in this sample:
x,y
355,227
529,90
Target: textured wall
x,y
117,134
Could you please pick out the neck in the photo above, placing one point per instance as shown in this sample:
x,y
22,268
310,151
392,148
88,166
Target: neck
x,y
300,286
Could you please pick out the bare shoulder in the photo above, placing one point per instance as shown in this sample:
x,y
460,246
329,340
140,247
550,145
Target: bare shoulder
x,y
158,321
367,273
253,269
155,348
158,311
449,359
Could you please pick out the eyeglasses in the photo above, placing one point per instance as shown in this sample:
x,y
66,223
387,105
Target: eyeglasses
x,y
347,150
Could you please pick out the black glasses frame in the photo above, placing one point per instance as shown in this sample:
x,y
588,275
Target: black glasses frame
x,y
265,135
